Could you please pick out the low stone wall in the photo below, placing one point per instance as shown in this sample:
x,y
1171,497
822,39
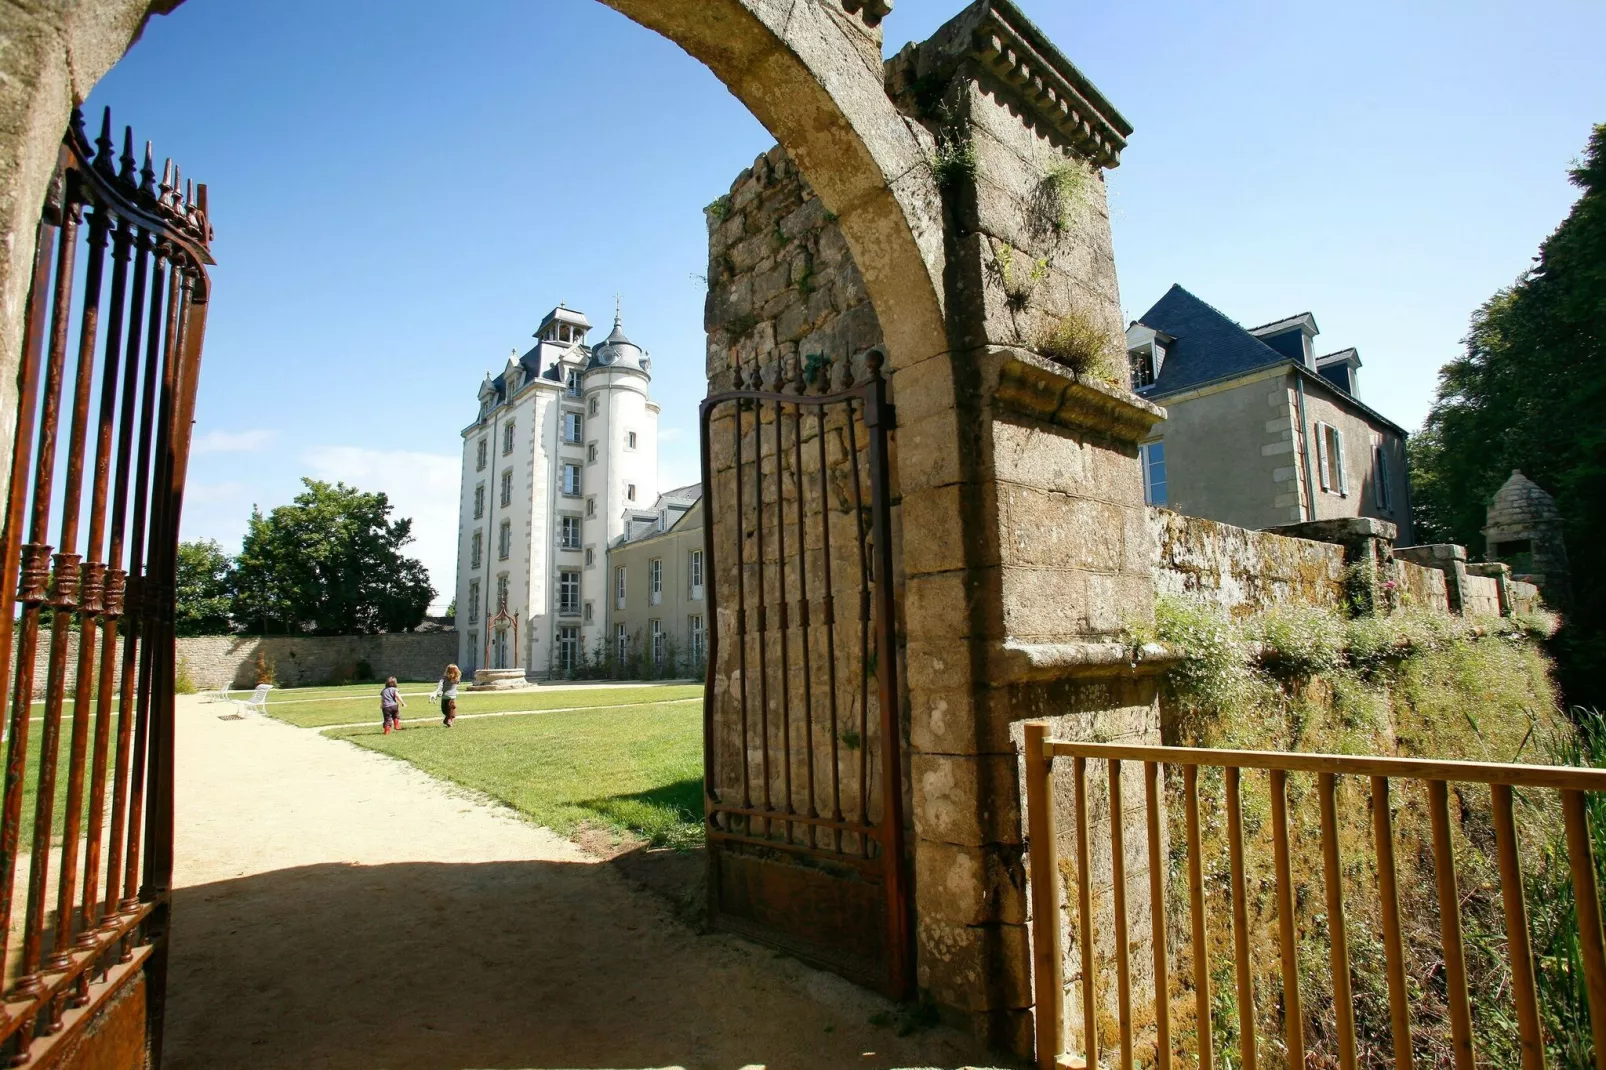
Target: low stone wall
x,y
298,661
1242,570
1480,596
1422,587
1525,597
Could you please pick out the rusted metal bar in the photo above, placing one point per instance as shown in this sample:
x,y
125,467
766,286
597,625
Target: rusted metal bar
x,y
900,921
828,619
785,623
1084,908
1338,939
712,630
1293,1014
28,381
1157,920
1196,917
1123,952
1519,948
1240,923
741,611
1048,956
804,615
763,614
1586,896
1389,907
864,625
1455,969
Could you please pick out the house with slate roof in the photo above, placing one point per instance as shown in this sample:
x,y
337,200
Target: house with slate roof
x,y
1261,429
657,608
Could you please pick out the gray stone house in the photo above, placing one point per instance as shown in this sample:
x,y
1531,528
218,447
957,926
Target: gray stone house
x,y
1261,430
657,609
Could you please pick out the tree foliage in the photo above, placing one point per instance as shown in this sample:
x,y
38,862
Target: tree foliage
x,y
1530,392
330,562
204,589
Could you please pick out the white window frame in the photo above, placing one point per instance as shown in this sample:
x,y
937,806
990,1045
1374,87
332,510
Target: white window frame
x,y
591,407
572,382
573,422
630,492
568,591
630,440
619,587
473,599
696,636
481,451
1330,459
656,628
586,613
655,581
694,571
479,499
507,487
504,540
572,487
568,526
568,647
507,438
591,453
621,641
1146,462
476,552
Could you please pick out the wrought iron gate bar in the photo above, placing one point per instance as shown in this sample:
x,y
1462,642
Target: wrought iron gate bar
x,y
154,305
769,816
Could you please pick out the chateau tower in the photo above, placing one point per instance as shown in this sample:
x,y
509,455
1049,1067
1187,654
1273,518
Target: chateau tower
x,y
561,457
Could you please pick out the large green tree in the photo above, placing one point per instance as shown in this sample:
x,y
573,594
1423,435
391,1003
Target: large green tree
x,y
1530,392
330,562
204,589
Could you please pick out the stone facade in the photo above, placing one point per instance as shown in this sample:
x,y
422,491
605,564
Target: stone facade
x,y
1524,531
216,661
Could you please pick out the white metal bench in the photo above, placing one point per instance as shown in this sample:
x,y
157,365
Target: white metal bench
x,y
257,703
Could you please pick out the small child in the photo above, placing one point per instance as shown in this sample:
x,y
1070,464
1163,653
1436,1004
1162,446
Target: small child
x,y
446,691
391,705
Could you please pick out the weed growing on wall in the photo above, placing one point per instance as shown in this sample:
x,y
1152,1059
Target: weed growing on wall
x,y
1078,343
954,164
1069,184
1415,684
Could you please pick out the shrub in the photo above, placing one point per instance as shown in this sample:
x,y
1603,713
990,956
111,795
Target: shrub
x,y
364,671
1301,641
183,679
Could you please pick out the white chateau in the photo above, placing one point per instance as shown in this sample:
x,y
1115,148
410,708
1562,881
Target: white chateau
x,y
562,458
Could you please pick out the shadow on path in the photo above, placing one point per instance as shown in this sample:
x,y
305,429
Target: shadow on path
x,y
529,964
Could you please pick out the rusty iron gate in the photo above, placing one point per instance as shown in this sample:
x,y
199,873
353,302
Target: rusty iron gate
x,y
803,764
86,961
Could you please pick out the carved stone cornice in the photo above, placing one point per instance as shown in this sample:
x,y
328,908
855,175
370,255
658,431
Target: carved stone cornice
x,y
1015,662
998,37
1036,387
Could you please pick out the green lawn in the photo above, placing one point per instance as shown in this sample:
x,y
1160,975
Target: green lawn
x,y
637,770
330,709
30,784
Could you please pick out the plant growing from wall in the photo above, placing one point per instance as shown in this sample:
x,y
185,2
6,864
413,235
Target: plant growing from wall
x,y
1069,185
1075,341
954,164
1018,288
720,208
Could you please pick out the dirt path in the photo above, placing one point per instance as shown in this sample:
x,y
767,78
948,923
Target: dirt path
x,y
339,909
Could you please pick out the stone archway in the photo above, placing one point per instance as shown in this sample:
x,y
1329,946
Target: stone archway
x,y
810,72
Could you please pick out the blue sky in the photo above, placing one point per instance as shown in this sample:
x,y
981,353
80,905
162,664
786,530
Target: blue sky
x,y
399,198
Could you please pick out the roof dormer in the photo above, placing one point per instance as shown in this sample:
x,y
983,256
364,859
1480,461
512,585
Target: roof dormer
x,y
1342,369
1145,351
1292,337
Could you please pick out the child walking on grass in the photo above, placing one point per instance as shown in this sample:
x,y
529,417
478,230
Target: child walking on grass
x,y
390,705
446,691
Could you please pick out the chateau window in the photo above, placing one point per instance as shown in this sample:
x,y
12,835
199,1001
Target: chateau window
x,y
568,592
585,613
474,600
479,455
1383,493
630,491
630,440
591,557
501,592
695,570
473,648
657,642
507,488
479,501
591,453
1145,361
569,532
1330,459
574,383
1152,459
504,540
619,588
591,507
621,642
476,546
591,407
507,439
569,648
571,427
655,580
694,628
571,479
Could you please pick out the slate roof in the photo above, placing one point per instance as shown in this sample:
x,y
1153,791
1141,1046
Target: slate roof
x,y
1208,345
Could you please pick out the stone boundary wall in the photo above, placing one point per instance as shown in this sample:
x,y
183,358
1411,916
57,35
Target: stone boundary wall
x,y
215,661
1422,586
1480,596
1245,571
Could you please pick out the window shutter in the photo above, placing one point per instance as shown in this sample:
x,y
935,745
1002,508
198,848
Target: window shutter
x,y
1343,477
1321,454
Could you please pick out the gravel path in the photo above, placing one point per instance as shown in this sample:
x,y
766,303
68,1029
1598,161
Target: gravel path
x,y
339,909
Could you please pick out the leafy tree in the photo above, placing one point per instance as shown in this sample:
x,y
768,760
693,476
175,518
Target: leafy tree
x,y
1530,393
203,590
330,562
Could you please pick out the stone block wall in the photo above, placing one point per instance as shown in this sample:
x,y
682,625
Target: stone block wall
x,y
1480,596
1422,586
299,661
1242,570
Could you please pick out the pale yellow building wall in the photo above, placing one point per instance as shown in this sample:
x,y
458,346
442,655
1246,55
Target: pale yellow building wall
x,y
1360,436
679,602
